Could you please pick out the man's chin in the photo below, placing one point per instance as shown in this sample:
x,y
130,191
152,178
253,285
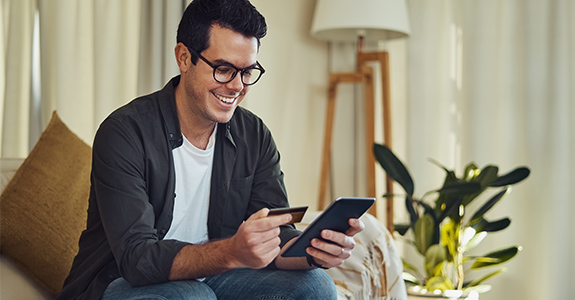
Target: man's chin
x,y
224,118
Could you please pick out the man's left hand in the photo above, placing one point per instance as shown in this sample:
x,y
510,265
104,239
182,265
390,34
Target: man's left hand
x,y
336,246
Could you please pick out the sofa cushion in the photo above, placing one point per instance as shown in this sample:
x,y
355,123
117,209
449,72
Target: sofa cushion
x,y
43,208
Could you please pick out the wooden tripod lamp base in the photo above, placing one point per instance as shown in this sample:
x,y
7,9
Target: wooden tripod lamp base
x,y
364,75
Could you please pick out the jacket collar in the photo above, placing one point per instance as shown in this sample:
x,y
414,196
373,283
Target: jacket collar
x,y
169,112
167,96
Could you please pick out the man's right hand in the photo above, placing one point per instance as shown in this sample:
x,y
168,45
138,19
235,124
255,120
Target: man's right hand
x,y
256,243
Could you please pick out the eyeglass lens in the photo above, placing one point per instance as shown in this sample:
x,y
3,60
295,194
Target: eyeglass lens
x,y
224,74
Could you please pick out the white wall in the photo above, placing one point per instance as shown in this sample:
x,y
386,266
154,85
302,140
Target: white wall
x,y
291,96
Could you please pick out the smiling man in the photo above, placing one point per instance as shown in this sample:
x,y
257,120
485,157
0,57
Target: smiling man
x,y
183,180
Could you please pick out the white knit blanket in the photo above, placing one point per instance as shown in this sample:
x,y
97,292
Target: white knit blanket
x,y
374,269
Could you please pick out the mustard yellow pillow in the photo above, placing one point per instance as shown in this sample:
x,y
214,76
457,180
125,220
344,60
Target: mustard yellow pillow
x,y
43,208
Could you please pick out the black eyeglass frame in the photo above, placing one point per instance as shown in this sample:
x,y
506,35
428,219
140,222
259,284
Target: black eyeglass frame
x,y
258,66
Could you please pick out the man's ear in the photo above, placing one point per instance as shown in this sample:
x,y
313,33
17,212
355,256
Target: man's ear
x,y
183,57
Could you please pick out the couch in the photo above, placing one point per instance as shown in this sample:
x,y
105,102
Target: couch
x,y
43,211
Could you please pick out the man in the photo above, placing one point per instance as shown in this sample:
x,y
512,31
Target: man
x,y
183,179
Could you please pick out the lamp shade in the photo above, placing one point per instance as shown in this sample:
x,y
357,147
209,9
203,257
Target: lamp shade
x,y
375,20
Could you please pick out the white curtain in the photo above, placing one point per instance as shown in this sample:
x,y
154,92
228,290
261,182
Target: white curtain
x,y
494,82
16,29
93,56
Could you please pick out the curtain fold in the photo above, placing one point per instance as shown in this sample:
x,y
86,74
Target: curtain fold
x,y
159,24
94,57
67,56
116,56
16,30
493,82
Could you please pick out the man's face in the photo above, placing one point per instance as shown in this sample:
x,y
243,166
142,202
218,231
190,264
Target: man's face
x,y
209,99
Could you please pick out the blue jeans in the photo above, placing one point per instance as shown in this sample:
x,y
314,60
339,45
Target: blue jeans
x,y
236,284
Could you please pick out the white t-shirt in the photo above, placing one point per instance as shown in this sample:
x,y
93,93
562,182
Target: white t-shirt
x,y
193,176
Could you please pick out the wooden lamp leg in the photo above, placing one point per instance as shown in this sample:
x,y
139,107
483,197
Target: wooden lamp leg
x,y
334,80
327,137
382,58
369,134
365,75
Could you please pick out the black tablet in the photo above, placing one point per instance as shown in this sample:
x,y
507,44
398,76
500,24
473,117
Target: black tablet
x,y
335,217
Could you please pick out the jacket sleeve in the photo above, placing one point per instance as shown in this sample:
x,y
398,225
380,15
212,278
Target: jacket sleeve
x,y
269,184
268,188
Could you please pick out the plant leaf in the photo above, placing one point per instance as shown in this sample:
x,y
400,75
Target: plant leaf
x,y
451,210
478,281
483,225
471,171
480,289
449,235
487,175
401,228
411,273
410,278
512,177
460,188
488,205
439,283
451,195
434,258
445,199
423,233
413,215
427,208
485,178
393,167
495,258
475,240
409,267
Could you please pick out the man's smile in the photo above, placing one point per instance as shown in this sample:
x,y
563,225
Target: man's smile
x,y
228,100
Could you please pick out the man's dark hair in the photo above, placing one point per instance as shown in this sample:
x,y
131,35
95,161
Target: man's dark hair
x,y
238,15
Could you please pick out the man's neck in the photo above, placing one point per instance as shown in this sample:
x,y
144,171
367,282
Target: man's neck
x,y
196,129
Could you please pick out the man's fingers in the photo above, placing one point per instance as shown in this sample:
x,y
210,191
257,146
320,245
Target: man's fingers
x,y
274,221
260,222
260,214
341,240
264,222
356,227
335,247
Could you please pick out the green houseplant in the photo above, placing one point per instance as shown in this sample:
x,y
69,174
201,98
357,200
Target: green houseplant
x,y
444,230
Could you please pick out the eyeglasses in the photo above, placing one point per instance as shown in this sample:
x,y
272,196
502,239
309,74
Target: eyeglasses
x,y
226,72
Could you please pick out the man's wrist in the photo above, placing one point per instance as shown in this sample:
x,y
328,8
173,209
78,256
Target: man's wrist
x,y
311,261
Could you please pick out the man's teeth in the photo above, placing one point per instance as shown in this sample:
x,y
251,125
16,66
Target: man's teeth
x,y
225,99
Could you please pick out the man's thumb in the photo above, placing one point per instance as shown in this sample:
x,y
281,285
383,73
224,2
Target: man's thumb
x,y
262,213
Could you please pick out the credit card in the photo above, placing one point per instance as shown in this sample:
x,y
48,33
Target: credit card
x,y
297,213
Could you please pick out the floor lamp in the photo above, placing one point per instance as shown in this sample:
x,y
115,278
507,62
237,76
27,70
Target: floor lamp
x,y
362,21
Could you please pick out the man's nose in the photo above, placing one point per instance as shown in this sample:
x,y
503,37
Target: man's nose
x,y
236,84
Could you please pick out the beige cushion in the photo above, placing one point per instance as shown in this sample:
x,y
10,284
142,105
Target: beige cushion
x,y
43,208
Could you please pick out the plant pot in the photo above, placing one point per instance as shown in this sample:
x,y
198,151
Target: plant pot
x,y
419,293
